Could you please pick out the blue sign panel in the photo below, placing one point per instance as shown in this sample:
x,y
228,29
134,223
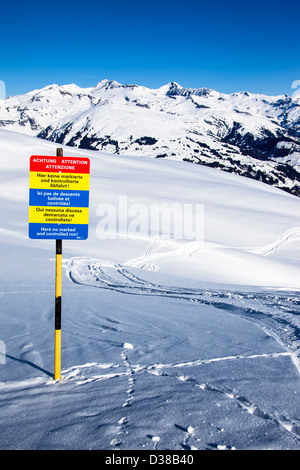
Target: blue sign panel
x,y
53,231
42,197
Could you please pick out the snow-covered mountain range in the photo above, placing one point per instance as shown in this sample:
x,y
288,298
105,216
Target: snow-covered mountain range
x,y
253,135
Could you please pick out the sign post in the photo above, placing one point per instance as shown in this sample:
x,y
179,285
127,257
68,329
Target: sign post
x,y
58,209
58,282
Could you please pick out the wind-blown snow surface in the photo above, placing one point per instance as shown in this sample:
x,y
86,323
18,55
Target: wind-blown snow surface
x,y
166,343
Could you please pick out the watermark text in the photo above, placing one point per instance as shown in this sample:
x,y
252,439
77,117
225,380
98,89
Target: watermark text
x,y
163,221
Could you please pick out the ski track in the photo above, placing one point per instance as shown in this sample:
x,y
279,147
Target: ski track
x,y
267,250
281,307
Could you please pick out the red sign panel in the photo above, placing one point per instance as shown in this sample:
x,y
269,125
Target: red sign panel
x,y
59,164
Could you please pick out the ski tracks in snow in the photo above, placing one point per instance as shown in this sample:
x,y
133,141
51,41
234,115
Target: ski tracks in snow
x,y
266,250
281,307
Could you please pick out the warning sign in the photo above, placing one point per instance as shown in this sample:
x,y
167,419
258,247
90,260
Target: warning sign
x,y
59,197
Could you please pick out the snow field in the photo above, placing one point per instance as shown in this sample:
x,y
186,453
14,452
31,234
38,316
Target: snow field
x,y
166,344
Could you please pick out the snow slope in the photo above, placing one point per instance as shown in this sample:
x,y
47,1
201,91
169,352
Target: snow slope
x,y
167,343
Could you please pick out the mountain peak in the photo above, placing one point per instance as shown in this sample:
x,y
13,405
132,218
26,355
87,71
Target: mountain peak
x,y
108,84
111,84
170,87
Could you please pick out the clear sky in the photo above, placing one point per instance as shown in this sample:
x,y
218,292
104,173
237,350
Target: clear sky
x,y
225,45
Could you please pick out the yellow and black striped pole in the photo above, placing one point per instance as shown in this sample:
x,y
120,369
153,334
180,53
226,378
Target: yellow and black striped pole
x,y
57,338
58,280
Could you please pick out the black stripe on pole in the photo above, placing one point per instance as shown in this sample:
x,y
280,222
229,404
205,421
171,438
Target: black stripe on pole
x,y
58,313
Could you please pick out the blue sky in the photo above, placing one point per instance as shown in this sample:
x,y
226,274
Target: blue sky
x,y
228,46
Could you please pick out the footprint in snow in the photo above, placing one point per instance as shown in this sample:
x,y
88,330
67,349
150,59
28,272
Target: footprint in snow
x,y
189,432
154,439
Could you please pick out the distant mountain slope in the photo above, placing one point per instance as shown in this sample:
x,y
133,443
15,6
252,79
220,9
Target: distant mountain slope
x,y
253,135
